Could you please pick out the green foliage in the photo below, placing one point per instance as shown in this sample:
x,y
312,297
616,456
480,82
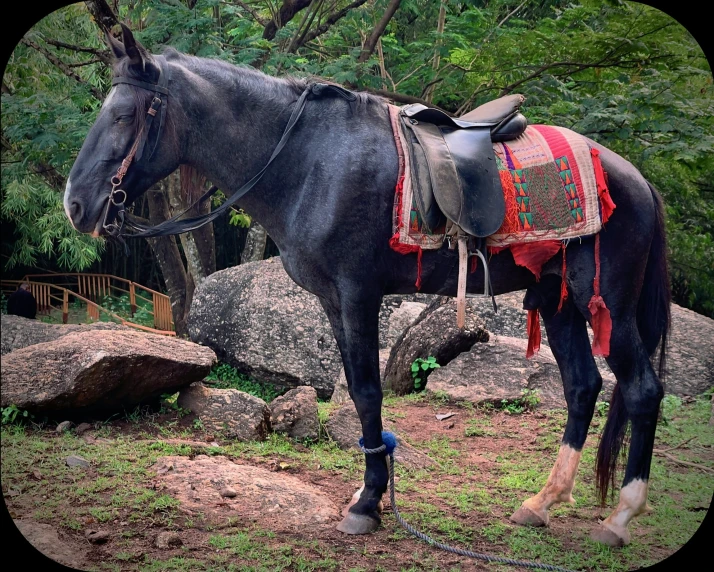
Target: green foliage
x,y
421,368
226,376
622,73
12,414
528,401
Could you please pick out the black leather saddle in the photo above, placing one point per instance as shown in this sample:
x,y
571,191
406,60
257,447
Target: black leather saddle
x,y
453,166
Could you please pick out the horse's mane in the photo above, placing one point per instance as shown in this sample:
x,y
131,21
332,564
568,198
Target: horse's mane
x,y
256,80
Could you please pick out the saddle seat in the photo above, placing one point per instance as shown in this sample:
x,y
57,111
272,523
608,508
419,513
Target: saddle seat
x,y
453,167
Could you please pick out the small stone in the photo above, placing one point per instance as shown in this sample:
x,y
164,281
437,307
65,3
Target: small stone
x,y
164,469
14,492
37,474
443,416
64,426
97,536
228,492
77,461
82,428
167,539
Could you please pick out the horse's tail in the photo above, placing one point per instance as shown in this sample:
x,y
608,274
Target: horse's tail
x,y
653,322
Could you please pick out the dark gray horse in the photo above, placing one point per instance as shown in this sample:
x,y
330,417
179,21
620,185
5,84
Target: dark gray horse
x,y
327,202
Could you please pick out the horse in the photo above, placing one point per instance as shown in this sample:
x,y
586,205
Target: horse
x,y
327,202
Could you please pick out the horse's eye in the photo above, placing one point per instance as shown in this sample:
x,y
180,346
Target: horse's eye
x,y
123,119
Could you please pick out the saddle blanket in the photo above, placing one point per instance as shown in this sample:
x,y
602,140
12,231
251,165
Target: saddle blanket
x,y
553,186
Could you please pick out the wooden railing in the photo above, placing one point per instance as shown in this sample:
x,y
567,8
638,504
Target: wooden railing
x,y
91,289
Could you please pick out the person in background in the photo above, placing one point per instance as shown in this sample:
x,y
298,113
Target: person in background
x,y
22,303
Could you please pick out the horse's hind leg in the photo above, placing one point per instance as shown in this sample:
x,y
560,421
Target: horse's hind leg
x,y
641,391
355,324
568,338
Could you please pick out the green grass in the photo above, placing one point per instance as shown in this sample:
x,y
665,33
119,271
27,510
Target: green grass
x,y
454,501
226,376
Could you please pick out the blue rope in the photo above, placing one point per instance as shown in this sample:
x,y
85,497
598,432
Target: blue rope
x,y
388,446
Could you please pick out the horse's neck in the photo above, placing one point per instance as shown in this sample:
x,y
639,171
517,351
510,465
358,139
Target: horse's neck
x,y
232,124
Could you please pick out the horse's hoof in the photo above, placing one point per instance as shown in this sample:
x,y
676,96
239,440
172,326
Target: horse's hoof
x,y
528,517
614,537
358,524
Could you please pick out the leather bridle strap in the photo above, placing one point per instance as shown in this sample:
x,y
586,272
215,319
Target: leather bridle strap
x,y
176,226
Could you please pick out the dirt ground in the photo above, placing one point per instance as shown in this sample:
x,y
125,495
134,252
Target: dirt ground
x,y
109,515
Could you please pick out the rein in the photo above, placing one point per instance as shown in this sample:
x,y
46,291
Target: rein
x,y
115,226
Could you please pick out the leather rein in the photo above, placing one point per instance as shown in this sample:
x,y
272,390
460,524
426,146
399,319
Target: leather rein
x,y
115,226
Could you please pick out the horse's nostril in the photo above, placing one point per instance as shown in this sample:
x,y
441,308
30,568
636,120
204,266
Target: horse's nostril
x,y
75,210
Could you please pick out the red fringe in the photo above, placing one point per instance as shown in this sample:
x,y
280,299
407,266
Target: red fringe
x,y
563,283
533,333
600,320
394,241
474,264
607,205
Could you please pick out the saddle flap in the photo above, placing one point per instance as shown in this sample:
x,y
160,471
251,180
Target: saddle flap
x,y
458,168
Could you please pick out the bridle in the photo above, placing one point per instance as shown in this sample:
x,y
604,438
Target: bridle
x,y
159,102
115,226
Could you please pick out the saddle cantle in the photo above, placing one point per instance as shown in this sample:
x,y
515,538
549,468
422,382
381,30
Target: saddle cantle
x,y
453,166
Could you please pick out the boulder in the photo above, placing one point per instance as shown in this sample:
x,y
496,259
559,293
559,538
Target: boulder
x,y
100,370
17,332
345,429
392,303
690,353
295,413
236,414
265,325
434,333
498,369
197,483
341,394
402,317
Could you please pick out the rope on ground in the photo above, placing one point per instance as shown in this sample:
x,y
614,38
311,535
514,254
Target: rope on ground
x,y
390,443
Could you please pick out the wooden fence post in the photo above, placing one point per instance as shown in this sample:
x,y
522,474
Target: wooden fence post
x,y
132,298
65,306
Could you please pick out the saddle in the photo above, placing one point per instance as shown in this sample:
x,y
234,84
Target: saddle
x,y
453,167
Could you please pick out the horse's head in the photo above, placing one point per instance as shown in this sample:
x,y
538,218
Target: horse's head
x,y
123,131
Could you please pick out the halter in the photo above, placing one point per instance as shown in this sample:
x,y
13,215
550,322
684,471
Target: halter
x,y
117,197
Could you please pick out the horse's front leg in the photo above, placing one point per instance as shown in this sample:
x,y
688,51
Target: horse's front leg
x,y
355,324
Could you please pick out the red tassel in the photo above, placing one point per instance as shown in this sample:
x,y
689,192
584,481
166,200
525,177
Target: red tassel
x,y
563,284
533,327
600,320
607,205
474,264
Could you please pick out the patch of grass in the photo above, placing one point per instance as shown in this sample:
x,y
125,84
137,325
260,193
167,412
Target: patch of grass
x,y
226,376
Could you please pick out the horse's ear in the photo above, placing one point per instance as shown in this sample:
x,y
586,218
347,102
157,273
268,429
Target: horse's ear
x,y
136,53
116,46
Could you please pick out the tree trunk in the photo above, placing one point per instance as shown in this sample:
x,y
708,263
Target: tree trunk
x,y
254,248
371,42
285,14
168,256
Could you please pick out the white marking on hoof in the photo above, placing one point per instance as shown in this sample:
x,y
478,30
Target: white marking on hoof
x,y
355,499
633,501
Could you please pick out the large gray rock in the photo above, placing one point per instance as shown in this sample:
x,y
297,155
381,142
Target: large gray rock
x,y
402,317
235,414
341,393
98,370
295,413
259,321
392,303
434,333
498,369
690,353
17,332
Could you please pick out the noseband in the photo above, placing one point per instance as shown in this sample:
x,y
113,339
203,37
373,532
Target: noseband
x,y
114,226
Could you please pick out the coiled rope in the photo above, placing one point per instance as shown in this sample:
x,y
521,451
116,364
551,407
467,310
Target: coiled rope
x,y
388,446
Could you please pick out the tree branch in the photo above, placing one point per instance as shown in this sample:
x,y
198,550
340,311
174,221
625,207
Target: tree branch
x,y
102,14
286,13
371,43
253,12
331,19
103,55
63,67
